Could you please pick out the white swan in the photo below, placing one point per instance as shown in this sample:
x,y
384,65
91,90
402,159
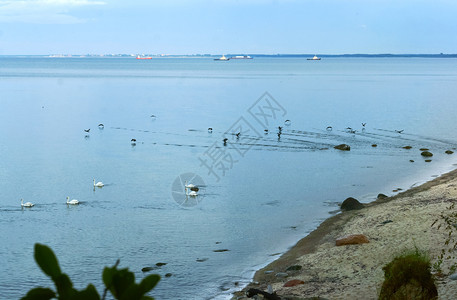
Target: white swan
x,y
193,194
189,186
98,184
26,204
73,202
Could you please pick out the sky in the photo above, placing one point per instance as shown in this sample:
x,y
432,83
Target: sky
x,y
30,27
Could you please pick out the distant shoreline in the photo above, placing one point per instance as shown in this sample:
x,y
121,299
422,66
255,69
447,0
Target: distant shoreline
x,y
358,55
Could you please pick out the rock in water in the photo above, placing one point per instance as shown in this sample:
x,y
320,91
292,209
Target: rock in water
x,y
449,152
159,264
343,147
374,145
381,196
351,204
353,239
147,269
293,282
407,147
426,154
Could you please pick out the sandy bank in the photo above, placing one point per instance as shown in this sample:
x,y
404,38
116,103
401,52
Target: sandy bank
x,y
355,271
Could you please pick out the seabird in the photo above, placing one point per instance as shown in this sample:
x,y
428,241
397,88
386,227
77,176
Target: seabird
x,y
279,128
363,124
238,135
329,128
266,131
287,122
133,140
225,141
101,125
399,131
87,130
210,129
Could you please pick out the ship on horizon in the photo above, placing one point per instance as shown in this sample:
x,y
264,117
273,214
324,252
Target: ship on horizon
x,y
241,57
145,57
314,58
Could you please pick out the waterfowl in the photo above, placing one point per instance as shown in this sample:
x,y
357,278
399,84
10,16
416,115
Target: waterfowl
x,y
72,202
98,184
26,204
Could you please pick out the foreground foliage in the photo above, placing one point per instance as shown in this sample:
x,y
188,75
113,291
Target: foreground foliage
x,y
120,282
408,276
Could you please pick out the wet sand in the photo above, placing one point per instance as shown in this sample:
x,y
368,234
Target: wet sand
x,y
392,225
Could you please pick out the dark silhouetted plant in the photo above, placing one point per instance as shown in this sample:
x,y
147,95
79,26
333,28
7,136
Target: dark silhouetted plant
x,y
120,282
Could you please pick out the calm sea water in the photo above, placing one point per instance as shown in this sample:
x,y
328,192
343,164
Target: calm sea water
x,y
271,193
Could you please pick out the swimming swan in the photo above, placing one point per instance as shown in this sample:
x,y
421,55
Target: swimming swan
x,y
26,204
98,184
73,202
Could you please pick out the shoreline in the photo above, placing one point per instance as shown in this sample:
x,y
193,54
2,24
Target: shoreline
x,y
346,272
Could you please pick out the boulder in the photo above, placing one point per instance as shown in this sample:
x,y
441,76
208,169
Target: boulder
x,y
352,239
343,147
351,204
293,282
426,153
449,152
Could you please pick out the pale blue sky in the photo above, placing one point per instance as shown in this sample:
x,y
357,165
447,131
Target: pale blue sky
x,y
227,26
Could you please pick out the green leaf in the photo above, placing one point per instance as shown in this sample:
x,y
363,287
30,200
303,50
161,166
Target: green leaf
x,y
39,294
122,280
47,261
64,286
90,293
148,283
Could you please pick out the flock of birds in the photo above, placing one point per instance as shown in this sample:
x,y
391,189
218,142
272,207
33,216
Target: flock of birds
x,y
351,130
69,202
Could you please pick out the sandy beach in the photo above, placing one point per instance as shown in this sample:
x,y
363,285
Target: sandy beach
x,y
392,225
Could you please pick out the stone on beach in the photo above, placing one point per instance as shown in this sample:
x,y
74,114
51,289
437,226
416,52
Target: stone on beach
x,y
293,282
352,239
351,204
294,268
343,147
